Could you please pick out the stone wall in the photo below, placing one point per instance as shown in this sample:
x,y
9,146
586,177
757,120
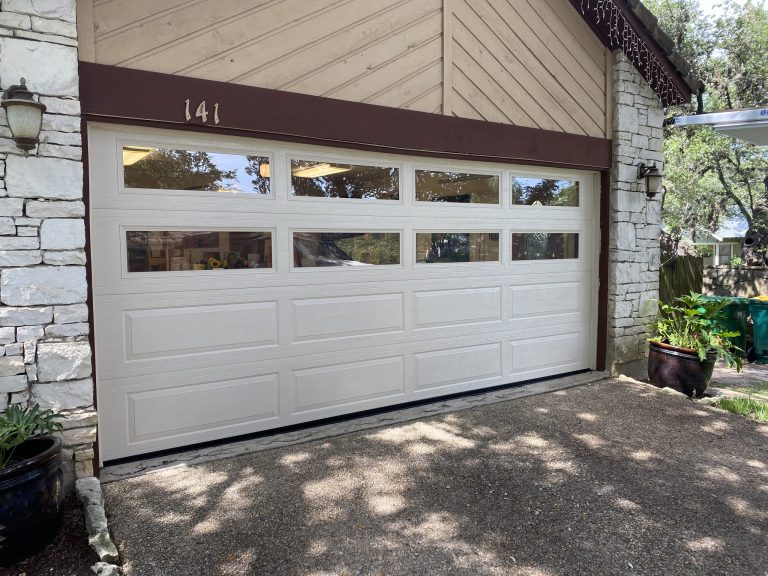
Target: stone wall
x,y
742,282
634,221
45,355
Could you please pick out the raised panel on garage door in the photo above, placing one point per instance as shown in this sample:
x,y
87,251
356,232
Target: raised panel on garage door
x,y
343,281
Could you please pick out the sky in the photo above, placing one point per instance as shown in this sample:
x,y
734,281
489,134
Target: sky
x,y
711,7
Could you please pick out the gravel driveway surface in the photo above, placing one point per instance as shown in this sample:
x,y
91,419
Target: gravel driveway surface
x,y
609,478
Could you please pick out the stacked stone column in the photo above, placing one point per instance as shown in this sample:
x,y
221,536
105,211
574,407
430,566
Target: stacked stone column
x,y
45,355
635,222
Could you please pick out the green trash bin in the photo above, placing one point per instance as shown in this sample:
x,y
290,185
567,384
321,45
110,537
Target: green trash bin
x,y
758,309
734,318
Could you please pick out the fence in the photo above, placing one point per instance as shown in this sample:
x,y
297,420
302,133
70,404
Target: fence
x,y
680,275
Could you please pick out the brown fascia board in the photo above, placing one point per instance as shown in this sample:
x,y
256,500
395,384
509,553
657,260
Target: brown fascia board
x,y
646,25
664,42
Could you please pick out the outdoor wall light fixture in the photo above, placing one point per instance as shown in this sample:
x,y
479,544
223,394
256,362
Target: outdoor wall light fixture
x,y
653,179
25,116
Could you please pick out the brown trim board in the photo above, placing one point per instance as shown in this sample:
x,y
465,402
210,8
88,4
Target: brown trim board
x,y
601,343
125,95
89,280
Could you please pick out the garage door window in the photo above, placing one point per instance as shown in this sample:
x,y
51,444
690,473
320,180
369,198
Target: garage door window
x,y
317,179
545,192
545,245
456,247
174,169
180,250
356,249
456,187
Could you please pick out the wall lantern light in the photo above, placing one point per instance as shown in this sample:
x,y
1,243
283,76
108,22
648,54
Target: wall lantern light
x,y
25,116
653,179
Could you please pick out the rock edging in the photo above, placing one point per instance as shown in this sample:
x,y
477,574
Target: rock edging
x,y
89,493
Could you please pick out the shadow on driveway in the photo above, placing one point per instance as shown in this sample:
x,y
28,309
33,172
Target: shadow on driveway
x,y
609,478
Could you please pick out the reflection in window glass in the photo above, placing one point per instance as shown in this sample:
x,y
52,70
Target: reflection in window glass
x,y
168,169
450,247
545,246
332,180
312,249
178,250
544,192
456,187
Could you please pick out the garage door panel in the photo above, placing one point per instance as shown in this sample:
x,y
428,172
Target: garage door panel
x,y
545,299
318,386
332,387
445,308
173,411
325,318
162,332
317,283
442,368
542,355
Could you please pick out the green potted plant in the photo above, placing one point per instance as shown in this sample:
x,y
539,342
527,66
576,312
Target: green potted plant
x,y
31,481
688,337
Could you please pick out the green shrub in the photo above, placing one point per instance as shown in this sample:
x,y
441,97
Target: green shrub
x,y
18,424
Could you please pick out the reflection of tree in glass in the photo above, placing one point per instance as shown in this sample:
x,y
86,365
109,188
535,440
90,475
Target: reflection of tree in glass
x,y
548,192
353,182
456,187
544,246
260,183
381,249
176,170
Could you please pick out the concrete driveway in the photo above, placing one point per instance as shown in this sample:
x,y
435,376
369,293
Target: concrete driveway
x,y
608,478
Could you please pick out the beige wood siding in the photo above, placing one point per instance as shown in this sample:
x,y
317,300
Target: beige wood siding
x,y
525,62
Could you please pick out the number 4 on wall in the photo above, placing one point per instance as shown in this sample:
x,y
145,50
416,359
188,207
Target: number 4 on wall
x,y
201,112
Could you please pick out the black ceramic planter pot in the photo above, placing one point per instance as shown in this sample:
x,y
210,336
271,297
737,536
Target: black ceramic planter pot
x,y
31,499
679,369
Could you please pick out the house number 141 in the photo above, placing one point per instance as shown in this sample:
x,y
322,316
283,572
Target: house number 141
x,y
201,112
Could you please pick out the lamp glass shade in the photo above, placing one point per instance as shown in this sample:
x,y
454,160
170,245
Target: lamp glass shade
x,y
653,183
25,119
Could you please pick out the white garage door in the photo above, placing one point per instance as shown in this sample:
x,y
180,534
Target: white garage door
x,y
243,285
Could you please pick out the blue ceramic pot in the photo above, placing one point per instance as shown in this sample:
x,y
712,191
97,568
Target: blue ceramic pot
x,y
31,499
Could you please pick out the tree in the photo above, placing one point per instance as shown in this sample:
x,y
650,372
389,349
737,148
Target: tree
x,y
712,177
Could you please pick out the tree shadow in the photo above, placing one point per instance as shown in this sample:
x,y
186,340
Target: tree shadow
x,y
608,478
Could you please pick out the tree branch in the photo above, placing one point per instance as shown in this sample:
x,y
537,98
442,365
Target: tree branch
x,y
730,193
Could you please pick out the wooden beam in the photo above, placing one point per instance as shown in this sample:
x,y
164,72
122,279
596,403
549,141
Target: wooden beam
x,y
115,94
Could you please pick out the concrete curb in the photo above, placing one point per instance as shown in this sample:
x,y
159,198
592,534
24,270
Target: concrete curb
x,y
89,493
232,449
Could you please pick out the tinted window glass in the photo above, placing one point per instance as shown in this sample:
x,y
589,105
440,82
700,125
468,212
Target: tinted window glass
x,y
456,187
168,169
178,250
332,180
544,192
312,249
545,246
447,247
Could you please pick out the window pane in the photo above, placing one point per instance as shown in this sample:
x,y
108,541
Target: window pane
x,y
449,247
544,192
163,251
311,249
726,253
456,187
192,170
331,180
545,246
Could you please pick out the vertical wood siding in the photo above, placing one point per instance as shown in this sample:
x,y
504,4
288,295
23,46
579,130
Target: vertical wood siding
x,y
525,62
